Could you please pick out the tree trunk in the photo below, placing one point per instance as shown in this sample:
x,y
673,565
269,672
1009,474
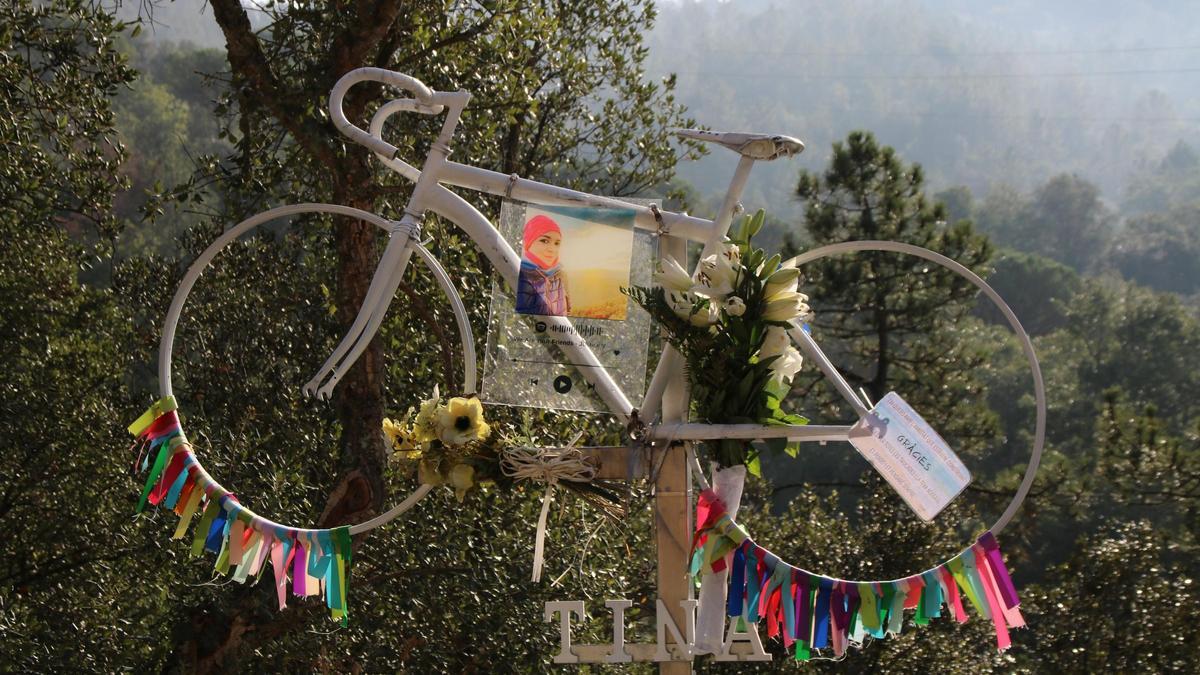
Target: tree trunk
x,y
358,397
210,639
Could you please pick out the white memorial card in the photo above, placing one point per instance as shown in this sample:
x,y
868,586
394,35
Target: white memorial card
x,y
913,458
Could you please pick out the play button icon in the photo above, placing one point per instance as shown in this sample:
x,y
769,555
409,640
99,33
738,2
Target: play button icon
x,y
562,384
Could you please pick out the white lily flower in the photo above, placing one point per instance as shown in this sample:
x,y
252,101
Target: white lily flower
x,y
715,277
731,251
787,365
682,302
671,275
735,306
709,316
774,342
787,305
777,343
784,280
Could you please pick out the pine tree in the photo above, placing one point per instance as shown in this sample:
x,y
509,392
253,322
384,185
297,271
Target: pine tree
x,y
893,322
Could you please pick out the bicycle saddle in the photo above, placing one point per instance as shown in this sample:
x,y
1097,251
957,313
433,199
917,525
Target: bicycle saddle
x,y
754,146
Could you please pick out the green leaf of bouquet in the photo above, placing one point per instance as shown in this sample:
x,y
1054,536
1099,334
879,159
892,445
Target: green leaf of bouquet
x,y
792,418
771,266
753,466
777,390
754,259
764,365
745,386
772,402
792,449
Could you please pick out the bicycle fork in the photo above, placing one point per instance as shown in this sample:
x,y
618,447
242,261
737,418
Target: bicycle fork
x,y
392,265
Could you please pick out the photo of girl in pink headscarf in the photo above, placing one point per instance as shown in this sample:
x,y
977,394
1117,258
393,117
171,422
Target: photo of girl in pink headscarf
x,y
542,285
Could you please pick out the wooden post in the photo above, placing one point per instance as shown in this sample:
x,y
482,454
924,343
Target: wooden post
x,y
672,509
672,500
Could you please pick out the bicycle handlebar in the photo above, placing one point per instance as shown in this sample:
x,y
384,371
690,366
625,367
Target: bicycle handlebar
x,y
424,101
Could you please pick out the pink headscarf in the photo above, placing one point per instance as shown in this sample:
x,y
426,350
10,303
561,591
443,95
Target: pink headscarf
x,y
536,227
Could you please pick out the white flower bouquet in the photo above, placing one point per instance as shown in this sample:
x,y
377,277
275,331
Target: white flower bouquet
x,y
729,321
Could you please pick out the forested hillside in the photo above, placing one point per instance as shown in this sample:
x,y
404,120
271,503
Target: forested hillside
x,y
981,94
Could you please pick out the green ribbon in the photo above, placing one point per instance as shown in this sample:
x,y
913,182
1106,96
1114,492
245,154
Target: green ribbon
x,y
868,611
724,536
963,569
340,566
222,564
165,450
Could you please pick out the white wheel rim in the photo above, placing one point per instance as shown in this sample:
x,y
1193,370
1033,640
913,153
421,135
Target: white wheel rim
x,y
1039,387
201,263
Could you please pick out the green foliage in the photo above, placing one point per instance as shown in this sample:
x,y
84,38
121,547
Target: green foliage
x,y
1171,183
69,549
167,124
1064,219
958,201
1037,288
1146,470
1122,603
64,503
1146,343
1161,250
59,71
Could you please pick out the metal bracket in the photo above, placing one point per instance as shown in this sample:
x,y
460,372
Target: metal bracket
x,y
663,228
413,229
636,429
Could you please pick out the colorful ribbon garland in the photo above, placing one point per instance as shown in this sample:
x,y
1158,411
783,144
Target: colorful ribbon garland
x,y
318,559
812,611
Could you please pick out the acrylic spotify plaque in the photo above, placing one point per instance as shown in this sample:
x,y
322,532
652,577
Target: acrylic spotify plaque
x,y
911,456
574,263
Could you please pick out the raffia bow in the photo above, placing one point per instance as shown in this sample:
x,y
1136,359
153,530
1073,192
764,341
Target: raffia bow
x,y
550,466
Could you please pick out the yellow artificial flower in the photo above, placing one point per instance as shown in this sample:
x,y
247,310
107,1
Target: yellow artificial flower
x,y
461,421
462,478
394,433
400,439
425,426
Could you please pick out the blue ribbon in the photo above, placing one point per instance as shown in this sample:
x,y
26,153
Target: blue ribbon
x,y
736,598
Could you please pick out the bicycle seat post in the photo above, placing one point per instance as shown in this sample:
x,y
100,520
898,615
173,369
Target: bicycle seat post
x,y
729,205
752,147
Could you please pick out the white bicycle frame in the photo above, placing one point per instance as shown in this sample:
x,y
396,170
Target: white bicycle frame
x,y
429,194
